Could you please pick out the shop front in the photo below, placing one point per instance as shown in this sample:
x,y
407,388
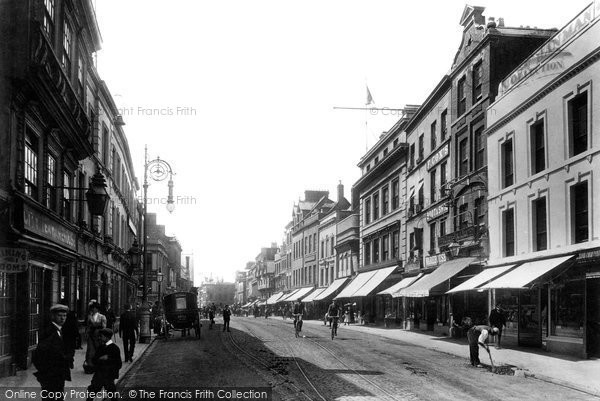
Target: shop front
x,y
428,307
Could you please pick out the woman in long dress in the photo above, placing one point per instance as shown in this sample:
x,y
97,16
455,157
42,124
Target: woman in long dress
x,y
95,322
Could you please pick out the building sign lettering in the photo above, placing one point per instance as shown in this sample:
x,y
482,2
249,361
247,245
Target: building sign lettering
x,y
43,225
13,260
436,212
552,46
435,260
436,158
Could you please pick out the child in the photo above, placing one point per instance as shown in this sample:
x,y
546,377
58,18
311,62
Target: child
x,y
107,362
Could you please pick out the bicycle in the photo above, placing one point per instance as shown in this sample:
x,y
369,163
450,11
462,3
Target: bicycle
x,y
334,325
297,324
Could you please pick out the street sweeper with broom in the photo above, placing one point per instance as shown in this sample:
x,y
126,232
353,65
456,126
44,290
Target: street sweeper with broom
x,y
479,336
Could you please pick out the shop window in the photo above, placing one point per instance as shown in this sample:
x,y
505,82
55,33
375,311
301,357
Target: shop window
x,y
567,309
8,283
538,147
35,304
509,302
578,124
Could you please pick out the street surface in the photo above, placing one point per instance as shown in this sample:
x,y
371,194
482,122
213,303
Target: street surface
x,y
264,353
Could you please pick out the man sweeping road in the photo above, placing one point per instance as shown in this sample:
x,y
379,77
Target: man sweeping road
x,y
479,335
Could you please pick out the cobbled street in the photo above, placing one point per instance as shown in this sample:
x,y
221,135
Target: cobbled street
x,y
355,366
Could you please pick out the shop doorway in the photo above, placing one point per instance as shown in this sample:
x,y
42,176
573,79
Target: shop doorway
x,y
431,313
593,318
530,333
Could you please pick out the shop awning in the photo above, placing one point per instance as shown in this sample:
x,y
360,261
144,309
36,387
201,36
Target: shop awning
x,y
481,278
355,284
377,279
286,296
299,294
528,272
405,282
311,297
273,298
260,303
337,284
424,286
246,305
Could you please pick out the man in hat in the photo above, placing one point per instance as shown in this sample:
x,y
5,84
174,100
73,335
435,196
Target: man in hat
x,y
497,319
128,330
51,358
107,362
226,317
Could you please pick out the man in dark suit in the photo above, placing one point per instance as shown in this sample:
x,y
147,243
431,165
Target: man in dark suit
x,y
107,362
128,330
51,358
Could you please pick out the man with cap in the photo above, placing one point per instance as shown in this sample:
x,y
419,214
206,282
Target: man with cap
x,y
107,362
497,319
128,330
51,357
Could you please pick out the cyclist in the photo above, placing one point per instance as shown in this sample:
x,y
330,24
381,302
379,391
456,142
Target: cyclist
x,y
334,314
297,312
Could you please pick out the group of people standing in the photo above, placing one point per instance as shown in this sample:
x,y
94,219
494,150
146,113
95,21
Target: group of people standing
x,y
54,356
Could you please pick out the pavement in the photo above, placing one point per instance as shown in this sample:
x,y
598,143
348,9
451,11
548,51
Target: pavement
x,y
79,379
564,370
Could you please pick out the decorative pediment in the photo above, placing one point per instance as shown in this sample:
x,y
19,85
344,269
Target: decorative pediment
x,y
473,23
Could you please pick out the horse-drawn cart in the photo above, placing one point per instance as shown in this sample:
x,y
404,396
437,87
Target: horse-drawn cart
x,y
182,313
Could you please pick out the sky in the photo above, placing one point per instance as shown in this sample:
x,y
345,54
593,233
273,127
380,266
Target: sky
x,y
238,96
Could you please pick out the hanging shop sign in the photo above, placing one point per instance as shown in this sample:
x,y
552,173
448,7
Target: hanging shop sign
x,y
13,260
436,158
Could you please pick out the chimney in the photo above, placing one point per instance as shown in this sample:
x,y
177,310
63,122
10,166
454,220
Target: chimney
x,y
500,22
340,192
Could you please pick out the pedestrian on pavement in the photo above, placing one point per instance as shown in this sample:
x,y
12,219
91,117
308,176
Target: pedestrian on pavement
x,y
498,320
211,315
129,332
70,332
226,317
479,336
107,362
51,358
347,317
110,317
95,322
